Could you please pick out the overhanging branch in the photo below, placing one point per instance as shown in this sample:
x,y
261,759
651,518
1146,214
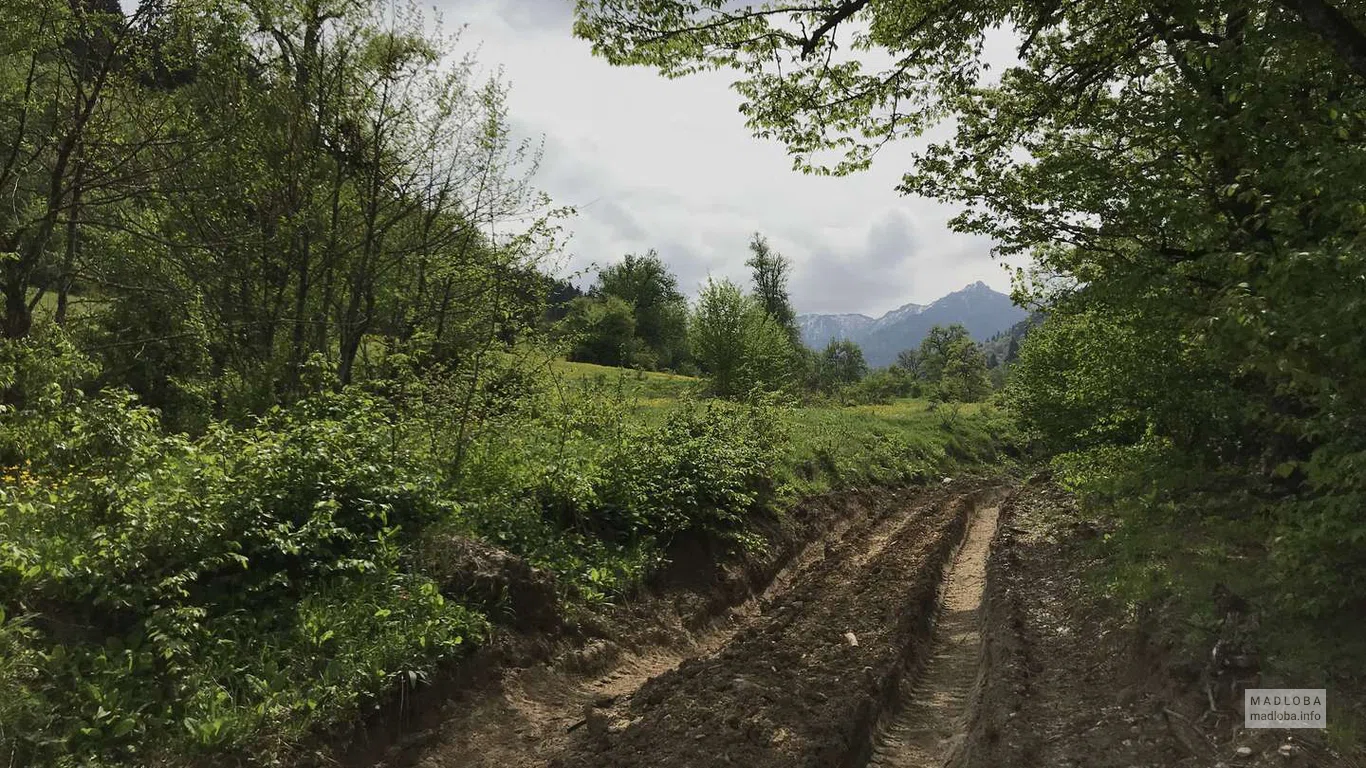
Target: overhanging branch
x,y
833,20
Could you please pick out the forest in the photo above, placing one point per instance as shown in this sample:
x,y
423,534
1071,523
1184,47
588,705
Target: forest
x,y
284,341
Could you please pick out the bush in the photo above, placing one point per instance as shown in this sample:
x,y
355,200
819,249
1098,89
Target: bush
x,y
164,598
704,471
215,594
881,386
581,484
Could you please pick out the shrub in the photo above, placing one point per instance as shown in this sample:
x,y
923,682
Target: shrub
x,y
220,593
881,386
739,345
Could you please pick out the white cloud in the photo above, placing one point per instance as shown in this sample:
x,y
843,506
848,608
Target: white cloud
x,y
668,164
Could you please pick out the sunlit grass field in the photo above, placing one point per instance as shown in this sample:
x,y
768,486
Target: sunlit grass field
x,y
651,388
832,446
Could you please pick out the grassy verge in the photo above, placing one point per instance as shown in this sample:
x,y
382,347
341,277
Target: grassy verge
x,y
909,440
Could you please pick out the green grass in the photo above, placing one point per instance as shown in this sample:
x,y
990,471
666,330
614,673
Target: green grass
x,y
648,386
78,305
906,441
833,446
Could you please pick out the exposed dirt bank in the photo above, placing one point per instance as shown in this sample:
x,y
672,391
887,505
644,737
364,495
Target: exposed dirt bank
x,y
805,683
949,626
527,700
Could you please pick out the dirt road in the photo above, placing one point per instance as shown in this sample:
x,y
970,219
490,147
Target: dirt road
x,y
923,630
805,672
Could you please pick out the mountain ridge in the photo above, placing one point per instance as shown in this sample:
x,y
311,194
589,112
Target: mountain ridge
x,y
983,311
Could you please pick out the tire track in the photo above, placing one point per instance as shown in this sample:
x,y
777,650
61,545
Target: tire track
x,y
805,682
537,714
931,718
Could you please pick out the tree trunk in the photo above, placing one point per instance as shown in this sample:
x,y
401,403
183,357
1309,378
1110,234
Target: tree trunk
x,y
18,317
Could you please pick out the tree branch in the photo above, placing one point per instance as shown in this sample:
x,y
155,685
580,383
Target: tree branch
x,y
831,21
1331,24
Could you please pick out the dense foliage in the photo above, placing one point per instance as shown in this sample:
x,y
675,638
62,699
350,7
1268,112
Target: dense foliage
x,y
165,597
738,344
207,195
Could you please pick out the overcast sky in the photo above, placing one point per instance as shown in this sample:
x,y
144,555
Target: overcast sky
x,y
669,165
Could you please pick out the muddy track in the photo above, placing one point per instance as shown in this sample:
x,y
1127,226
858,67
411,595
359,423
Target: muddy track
x,y
949,630
807,682
926,727
568,711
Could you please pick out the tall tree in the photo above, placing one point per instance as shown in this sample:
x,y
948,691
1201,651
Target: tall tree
x,y
769,271
63,145
737,343
909,361
841,363
939,348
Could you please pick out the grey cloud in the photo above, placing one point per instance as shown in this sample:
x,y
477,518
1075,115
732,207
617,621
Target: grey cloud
x,y
661,164
614,215
878,272
554,15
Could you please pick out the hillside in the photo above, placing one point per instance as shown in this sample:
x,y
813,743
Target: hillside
x,y
978,308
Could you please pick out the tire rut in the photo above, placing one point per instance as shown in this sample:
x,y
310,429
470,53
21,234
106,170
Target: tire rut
x,y
930,720
539,713
853,545
804,683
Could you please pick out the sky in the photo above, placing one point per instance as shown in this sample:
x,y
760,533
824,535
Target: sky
x,y
668,164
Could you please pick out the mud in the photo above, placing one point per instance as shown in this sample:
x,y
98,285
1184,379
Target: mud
x,y
927,726
1071,679
805,683
945,627
531,707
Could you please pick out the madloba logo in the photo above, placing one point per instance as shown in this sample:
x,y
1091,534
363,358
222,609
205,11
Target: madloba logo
x,y
1294,701
1285,707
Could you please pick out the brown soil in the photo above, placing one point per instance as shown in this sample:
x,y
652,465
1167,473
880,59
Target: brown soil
x,y
927,726
525,702
804,683
944,627
1068,679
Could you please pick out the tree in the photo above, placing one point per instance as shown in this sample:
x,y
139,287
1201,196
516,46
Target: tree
x,y
1195,171
938,349
737,343
908,360
1013,351
950,359
603,331
646,283
841,364
64,148
769,270
964,375
559,295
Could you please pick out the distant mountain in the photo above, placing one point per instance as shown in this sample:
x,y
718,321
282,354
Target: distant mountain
x,y
818,330
982,311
